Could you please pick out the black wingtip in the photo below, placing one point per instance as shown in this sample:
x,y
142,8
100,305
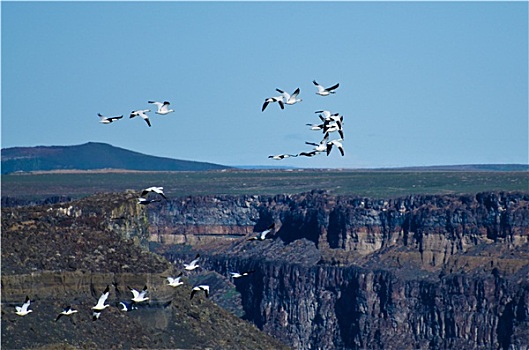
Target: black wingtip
x,y
334,87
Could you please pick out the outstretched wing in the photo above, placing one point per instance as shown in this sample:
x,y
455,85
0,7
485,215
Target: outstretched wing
x,y
296,93
334,87
318,86
193,292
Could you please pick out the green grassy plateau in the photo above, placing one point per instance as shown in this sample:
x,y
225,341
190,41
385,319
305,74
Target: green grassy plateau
x,y
372,183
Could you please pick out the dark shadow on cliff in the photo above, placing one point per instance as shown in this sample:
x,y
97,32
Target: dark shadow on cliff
x,y
296,225
337,230
350,308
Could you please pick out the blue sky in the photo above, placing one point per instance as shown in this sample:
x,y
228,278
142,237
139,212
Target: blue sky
x,y
421,83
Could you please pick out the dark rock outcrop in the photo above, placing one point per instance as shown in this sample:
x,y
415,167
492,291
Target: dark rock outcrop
x,y
339,272
67,253
353,273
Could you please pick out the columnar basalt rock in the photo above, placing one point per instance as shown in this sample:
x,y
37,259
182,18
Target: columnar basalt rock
x,y
338,272
353,273
437,226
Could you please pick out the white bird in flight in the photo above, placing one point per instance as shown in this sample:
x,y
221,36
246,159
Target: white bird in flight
x,y
67,311
174,281
141,113
290,99
316,126
101,301
319,147
202,287
335,143
108,120
308,154
327,117
332,127
241,274
163,107
278,99
261,236
154,189
282,156
125,306
137,296
193,264
145,201
325,91
24,309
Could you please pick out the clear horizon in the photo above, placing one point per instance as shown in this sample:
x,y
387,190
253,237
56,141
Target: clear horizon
x,y
421,83
285,167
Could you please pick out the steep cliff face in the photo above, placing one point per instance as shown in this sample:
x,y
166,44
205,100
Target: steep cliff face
x,y
67,253
338,272
353,273
327,307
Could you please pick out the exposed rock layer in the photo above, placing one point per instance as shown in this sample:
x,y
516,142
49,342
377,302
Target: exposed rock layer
x,y
339,272
66,254
351,273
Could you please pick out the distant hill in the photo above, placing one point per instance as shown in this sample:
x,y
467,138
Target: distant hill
x,y
92,156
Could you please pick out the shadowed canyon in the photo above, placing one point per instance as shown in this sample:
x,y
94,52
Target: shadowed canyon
x,y
338,272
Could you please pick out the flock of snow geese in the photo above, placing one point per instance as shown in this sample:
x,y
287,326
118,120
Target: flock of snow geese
x,y
163,109
140,297
330,122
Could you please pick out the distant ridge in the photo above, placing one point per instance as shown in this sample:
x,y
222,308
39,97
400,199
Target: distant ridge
x,y
92,156
465,167
462,167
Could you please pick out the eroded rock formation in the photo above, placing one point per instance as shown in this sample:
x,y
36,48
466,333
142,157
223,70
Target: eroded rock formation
x,y
67,253
339,272
355,273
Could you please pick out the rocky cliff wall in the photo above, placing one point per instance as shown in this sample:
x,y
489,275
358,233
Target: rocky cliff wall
x,y
436,227
352,273
333,307
339,272
67,253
